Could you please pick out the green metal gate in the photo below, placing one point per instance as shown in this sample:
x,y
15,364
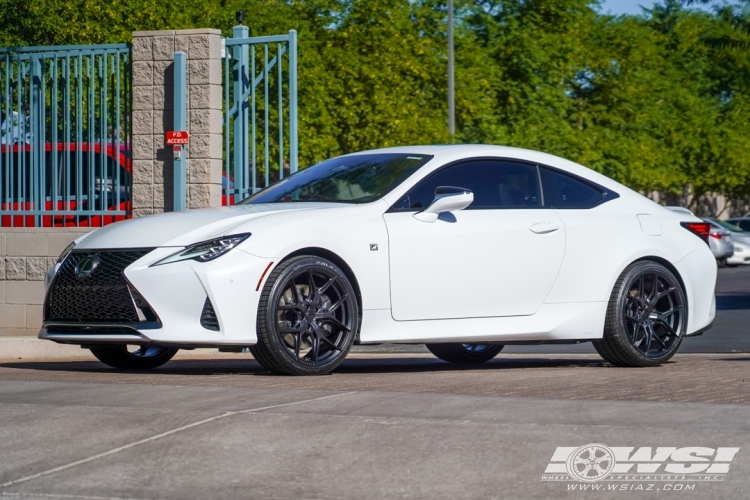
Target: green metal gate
x,y
260,111
65,135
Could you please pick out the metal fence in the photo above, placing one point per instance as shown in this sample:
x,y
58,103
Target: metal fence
x,y
260,137
65,135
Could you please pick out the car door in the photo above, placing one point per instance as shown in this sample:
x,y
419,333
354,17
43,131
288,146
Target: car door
x,y
498,257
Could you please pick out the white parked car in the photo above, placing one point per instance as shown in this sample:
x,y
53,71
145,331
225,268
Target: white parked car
x,y
464,248
740,241
741,255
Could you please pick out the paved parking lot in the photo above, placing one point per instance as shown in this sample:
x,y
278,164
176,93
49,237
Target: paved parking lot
x,y
688,378
384,425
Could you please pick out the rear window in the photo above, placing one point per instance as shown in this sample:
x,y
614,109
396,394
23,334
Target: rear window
x,y
563,191
744,223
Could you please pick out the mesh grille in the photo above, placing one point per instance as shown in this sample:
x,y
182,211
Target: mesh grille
x,y
208,317
102,296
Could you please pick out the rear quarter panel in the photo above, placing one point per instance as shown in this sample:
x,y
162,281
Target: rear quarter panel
x,y
601,242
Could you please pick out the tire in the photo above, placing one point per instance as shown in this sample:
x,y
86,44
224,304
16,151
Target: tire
x,y
646,317
144,358
721,262
304,329
465,353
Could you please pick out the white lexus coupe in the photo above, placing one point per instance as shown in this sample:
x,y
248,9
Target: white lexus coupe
x,y
463,248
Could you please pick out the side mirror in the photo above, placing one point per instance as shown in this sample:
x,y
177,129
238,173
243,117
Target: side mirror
x,y
447,199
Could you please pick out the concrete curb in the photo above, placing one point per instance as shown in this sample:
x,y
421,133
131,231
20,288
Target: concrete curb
x,y
32,348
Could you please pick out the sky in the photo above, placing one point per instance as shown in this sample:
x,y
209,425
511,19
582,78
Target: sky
x,y
625,6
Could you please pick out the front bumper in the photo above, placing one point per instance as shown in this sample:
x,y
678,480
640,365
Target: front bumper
x,y
177,293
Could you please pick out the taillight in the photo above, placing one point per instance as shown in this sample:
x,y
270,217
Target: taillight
x,y
718,236
700,229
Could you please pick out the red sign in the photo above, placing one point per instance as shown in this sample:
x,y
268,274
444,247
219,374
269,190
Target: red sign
x,y
177,137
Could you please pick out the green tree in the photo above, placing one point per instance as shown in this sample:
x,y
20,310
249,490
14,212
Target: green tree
x,y
659,101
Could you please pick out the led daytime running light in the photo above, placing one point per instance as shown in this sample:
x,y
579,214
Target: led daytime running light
x,y
206,250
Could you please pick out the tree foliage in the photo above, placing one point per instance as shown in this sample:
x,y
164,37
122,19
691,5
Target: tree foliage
x,y
658,101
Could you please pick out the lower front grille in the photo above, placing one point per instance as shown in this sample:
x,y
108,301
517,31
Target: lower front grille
x,y
83,330
208,317
102,295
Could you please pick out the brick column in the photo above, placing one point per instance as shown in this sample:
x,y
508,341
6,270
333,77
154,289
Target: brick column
x,y
153,61
25,256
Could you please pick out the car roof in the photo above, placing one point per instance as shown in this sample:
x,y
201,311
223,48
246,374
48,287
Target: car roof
x,y
445,153
439,149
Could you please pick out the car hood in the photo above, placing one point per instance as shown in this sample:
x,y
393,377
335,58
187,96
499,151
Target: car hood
x,y
179,229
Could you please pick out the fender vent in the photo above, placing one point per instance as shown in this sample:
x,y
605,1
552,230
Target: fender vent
x,y
208,317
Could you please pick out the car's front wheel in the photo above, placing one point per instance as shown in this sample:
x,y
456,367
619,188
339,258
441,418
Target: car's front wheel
x,y
307,318
465,353
136,357
646,317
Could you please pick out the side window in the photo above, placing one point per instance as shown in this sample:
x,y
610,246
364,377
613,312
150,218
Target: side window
x,y
564,191
496,184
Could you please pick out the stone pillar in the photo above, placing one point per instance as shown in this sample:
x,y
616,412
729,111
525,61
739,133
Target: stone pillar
x,y
25,255
153,62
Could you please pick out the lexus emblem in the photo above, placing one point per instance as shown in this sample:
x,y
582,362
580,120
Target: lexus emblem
x,y
87,265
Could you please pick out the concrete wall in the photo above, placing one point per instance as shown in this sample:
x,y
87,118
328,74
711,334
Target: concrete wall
x,y
153,79
25,256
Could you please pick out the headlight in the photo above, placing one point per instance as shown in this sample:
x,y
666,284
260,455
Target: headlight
x,y
207,250
66,252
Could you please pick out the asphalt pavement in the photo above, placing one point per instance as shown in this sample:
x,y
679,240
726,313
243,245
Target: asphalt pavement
x,y
385,425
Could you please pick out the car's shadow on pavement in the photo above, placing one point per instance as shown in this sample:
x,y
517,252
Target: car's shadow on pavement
x,y
400,364
411,365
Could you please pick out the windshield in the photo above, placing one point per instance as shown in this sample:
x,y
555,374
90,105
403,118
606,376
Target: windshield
x,y
346,179
729,226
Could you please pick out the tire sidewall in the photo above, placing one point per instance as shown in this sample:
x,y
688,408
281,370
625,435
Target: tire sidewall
x,y
272,296
118,356
484,355
631,274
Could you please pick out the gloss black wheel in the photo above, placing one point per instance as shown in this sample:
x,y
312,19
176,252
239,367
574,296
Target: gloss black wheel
x,y
307,318
465,353
134,357
646,317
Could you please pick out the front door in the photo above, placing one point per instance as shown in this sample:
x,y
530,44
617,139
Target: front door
x,y
498,257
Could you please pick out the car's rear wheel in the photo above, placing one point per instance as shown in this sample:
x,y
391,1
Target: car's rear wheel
x,y
465,353
134,357
646,317
307,318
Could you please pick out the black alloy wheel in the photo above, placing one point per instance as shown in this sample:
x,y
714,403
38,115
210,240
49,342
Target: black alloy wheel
x,y
134,357
307,318
455,352
646,317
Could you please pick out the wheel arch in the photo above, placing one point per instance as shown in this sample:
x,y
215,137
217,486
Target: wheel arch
x,y
342,264
668,265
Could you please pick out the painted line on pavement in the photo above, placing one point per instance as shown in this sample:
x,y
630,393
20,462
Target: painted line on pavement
x,y
159,436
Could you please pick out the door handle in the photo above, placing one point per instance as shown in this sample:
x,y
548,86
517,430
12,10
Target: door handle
x,y
544,227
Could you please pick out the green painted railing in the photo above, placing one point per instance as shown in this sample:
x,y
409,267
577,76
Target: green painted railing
x,y
65,135
260,111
